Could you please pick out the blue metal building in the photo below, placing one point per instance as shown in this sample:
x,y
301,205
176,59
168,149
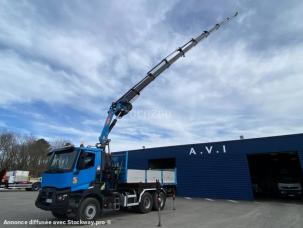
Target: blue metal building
x,y
219,169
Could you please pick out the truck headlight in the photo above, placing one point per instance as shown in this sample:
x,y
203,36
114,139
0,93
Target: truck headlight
x,y
61,197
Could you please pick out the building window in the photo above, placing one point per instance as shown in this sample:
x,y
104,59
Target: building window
x,y
163,163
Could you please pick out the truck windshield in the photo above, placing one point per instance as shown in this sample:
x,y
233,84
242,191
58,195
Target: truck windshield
x,y
62,161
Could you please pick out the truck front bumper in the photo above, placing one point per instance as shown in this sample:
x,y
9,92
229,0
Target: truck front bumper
x,y
57,200
291,193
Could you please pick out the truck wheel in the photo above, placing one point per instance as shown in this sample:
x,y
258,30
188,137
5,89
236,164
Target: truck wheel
x,y
162,201
89,209
36,186
59,216
146,203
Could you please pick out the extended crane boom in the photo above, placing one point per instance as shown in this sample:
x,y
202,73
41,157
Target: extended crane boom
x,y
124,105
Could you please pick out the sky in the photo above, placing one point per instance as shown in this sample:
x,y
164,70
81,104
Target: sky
x,y
62,63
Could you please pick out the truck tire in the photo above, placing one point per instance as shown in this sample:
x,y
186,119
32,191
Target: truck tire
x,y
89,209
162,200
59,216
146,203
36,186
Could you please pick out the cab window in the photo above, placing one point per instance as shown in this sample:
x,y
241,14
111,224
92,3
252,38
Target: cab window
x,y
86,160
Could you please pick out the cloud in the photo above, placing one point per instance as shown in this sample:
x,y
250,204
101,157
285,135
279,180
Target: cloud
x,y
62,64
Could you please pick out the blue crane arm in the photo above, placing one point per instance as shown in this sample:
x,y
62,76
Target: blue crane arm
x,y
123,105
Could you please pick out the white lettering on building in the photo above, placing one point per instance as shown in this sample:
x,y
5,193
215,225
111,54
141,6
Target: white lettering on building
x,y
192,151
209,150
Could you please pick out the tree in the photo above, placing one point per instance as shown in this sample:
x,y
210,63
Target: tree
x,y
59,142
22,152
7,149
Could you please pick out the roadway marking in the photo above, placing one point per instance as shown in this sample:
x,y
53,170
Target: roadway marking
x,y
188,198
208,199
233,201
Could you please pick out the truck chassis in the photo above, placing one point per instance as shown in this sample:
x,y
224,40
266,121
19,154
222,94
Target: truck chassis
x,y
84,205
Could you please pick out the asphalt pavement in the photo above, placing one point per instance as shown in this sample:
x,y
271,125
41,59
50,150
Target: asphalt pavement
x,y
18,207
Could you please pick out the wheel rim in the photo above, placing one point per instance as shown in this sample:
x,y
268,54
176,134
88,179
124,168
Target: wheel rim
x,y
90,211
147,203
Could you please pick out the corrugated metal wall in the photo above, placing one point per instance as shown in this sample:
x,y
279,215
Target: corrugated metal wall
x,y
217,170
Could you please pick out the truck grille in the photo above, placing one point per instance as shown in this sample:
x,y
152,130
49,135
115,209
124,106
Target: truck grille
x,y
46,193
290,188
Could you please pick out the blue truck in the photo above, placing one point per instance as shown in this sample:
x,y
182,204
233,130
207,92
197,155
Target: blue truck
x,y
81,182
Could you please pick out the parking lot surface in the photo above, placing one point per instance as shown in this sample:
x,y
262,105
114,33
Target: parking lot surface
x,y
208,213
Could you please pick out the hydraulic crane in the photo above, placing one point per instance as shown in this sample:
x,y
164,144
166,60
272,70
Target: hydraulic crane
x,y
80,182
123,105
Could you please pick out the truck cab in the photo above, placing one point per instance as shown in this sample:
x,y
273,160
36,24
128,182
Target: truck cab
x,y
72,167
289,184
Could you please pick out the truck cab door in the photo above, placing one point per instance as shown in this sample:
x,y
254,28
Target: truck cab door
x,y
85,171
